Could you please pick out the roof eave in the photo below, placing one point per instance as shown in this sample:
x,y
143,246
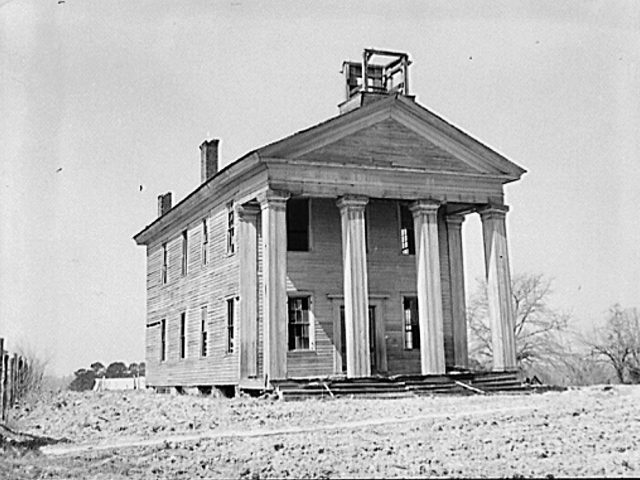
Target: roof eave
x,y
242,166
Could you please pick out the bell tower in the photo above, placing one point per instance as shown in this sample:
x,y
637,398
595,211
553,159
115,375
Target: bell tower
x,y
381,73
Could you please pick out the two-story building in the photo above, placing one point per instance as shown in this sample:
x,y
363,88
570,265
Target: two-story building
x,y
334,251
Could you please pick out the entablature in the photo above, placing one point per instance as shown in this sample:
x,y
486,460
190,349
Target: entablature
x,y
316,179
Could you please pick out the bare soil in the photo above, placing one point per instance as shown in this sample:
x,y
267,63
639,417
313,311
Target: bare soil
x,y
583,432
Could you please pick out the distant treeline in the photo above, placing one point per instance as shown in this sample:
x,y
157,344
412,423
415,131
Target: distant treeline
x,y
85,378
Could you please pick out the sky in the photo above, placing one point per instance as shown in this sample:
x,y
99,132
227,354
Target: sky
x,y
103,105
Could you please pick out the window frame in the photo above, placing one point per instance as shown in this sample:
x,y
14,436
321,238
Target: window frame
x,y
308,200
231,228
204,332
182,351
367,215
411,238
204,252
414,323
164,271
163,340
230,315
185,252
310,322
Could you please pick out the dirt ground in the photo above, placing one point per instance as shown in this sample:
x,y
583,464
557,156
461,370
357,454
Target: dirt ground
x,y
592,431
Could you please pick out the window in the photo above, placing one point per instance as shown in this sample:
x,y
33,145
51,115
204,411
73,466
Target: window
x,y
163,340
231,229
203,331
165,258
205,240
298,225
183,334
407,237
367,215
411,323
230,321
299,324
185,250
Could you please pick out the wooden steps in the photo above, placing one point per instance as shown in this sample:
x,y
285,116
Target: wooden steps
x,y
455,383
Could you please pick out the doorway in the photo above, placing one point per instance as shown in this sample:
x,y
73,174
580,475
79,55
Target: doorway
x,y
373,343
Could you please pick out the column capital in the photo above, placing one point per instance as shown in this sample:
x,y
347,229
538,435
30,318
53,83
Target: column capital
x,y
352,202
454,220
424,206
248,210
493,210
273,199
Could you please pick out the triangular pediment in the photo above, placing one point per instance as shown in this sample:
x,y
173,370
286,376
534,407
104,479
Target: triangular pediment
x,y
388,143
395,132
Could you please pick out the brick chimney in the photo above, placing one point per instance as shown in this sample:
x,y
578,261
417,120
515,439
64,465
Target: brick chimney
x,y
164,203
208,159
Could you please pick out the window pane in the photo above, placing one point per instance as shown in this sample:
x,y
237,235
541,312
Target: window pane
x,y
407,237
231,241
230,326
299,323
411,323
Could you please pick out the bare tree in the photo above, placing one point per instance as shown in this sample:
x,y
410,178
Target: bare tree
x,y
30,380
537,328
618,343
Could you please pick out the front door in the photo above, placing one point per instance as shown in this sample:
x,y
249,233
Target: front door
x,y
372,340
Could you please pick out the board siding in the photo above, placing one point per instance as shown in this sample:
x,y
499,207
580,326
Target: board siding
x,y
204,285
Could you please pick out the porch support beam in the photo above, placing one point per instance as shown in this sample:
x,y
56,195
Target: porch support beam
x,y
273,205
498,275
458,303
248,251
430,316
356,299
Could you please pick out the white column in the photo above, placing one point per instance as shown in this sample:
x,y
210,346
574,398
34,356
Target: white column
x,y
247,237
458,303
356,290
430,317
273,206
499,295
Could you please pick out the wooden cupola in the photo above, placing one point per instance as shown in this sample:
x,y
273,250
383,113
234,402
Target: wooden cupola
x,y
380,74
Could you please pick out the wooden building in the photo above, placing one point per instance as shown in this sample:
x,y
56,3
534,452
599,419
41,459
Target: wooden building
x,y
334,251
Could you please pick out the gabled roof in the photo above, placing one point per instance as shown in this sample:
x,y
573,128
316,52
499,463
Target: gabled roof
x,y
398,132
437,139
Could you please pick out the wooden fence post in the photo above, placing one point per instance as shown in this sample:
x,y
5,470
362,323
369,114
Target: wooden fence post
x,y
19,378
2,375
14,396
12,378
6,382
25,378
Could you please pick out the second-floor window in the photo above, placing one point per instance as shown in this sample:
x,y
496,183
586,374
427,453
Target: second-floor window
x,y
231,229
165,258
205,241
185,251
298,225
407,236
